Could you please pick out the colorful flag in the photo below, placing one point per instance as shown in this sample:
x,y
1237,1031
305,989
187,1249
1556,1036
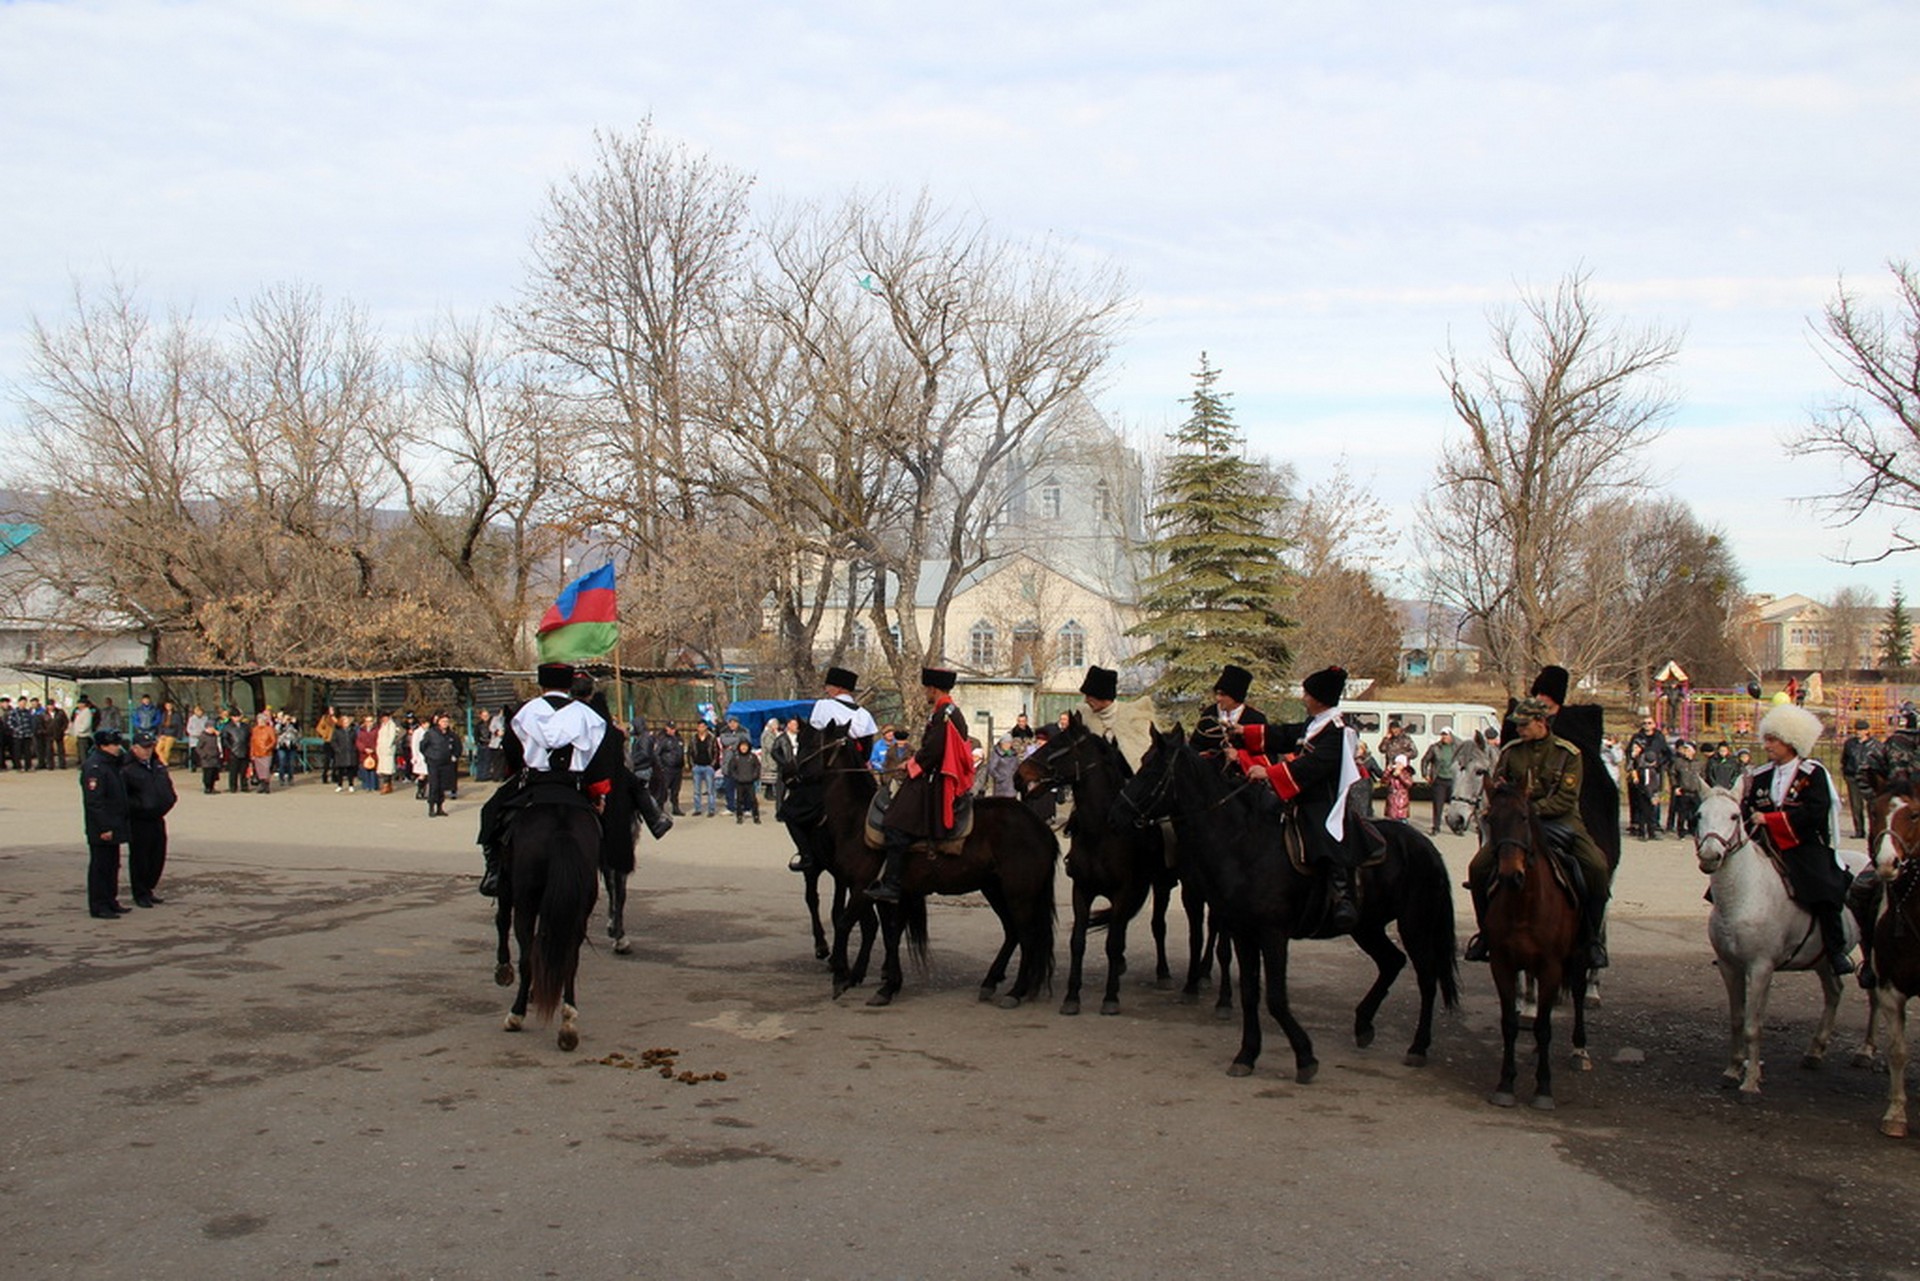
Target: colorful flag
x,y
584,624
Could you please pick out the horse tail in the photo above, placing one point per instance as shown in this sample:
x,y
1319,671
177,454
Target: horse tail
x,y
1426,916
913,921
572,886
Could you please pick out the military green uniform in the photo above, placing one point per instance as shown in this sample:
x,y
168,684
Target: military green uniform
x,y
1550,770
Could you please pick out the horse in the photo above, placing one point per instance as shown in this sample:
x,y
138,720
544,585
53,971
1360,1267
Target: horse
x,y
1008,856
1231,843
1897,947
619,833
1532,926
551,859
1756,929
814,842
1462,813
1122,864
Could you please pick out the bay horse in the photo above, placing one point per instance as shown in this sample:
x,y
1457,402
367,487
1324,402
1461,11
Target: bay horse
x,y
1897,949
1230,836
551,860
1008,857
1123,864
1532,926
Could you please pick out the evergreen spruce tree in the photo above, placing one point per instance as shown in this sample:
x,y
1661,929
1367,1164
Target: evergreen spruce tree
x,y
1896,638
1216,594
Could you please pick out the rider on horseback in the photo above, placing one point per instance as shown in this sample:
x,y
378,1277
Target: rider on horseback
x,y
1214,732
1316,776
1791,802
800,798
1127,725
555,739
1550,769
922,806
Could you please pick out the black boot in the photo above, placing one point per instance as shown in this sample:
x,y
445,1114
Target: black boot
x,y
887,888
1342,914
1596,933
1833,937
657,823
802,861
1477,949
490,879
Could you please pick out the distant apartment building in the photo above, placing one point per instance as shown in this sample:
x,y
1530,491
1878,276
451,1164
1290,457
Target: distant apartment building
x,y
1796,633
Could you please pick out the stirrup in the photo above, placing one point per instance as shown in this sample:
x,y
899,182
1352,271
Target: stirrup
x,y
1477,949
881,892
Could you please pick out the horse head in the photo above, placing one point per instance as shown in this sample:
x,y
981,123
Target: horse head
x,y
1720,830
1148,796
1055,761
1469,791
1511,829
1903,836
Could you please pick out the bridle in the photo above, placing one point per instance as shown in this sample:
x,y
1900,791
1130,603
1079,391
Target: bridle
x,y
1728,848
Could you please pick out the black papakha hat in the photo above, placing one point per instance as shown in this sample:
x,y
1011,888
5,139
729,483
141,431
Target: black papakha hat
x,y
555,676
841,678
1552,682
1234,682
1101,682
1326,685
937,677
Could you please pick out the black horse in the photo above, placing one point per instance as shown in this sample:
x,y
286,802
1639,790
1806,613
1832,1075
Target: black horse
x,y
1121,863
551,860
803,812
1231,842
1008,857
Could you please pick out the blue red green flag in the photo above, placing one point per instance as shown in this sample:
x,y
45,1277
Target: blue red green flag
x,y
584,624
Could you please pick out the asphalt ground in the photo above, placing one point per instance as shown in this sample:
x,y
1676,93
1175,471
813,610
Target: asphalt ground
x,y
296,1066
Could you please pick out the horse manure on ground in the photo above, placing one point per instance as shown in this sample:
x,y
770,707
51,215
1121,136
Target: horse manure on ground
x,y
660,1060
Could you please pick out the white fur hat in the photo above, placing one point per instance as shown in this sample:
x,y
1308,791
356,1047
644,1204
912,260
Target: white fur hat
x,y
1797,727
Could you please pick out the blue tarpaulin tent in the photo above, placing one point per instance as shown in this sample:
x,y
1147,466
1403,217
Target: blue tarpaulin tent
x,y
754,713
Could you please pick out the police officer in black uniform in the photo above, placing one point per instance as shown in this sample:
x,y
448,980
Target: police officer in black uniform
x,y
103,797
150,796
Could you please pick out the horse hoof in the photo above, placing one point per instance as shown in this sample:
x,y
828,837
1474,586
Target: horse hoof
x,y
1069,1007
1810,1062
1010,1002
1414,1060
986,994
1109,1007
879,999
569,1039
821,952
1363,1036
840,989
1304,1074
1224,1013
1894,1129
1500,1099
1729,1081
1240,1069
512,1024
504,976
1582,1060
622,945
1863,1060
1542,1103
1749,1096
1163,981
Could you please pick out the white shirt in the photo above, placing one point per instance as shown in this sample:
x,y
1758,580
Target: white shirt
x,y
843,711
1336,824
544,729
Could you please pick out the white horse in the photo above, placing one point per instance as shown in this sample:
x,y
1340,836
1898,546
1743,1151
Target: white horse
x,y
1756,929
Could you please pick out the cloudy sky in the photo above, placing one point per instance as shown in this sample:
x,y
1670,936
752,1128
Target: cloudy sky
x,y
1323,197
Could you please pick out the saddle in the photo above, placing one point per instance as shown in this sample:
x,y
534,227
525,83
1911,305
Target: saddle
x,y
1295,842
948,845
1567,872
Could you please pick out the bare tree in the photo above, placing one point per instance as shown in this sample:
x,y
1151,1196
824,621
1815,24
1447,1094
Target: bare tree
x,y
1553,423
1854,615
1873,428
1338,533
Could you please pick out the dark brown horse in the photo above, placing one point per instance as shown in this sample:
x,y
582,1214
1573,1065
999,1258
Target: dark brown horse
x,y
1008,857
1119,862
1532,927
